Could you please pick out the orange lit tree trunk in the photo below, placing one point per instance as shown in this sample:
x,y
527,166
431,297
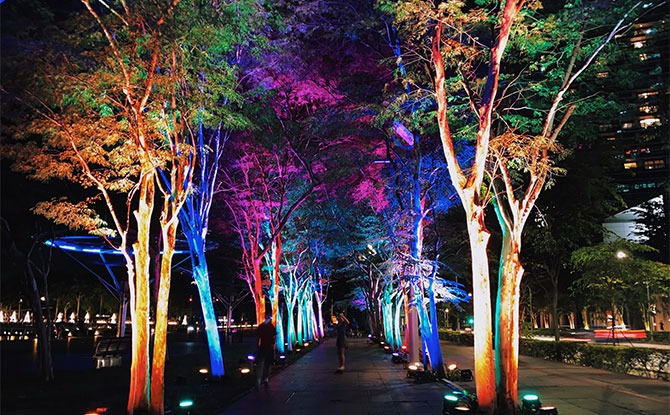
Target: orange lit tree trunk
x,y
140,296
468,184
174,196
507,322
169,231
257,290
276,253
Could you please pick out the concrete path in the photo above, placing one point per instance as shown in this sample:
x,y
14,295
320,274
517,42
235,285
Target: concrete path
x,y
576,390
372,385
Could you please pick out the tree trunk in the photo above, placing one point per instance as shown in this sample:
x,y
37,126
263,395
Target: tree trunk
x,y
481,293
138,397
169,231
43,329
507,333
201,276
259,297
585,318
554,307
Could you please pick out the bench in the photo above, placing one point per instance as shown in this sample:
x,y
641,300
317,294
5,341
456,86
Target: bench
x,y
110,351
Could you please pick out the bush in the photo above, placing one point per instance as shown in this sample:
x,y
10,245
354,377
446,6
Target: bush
x,y
466,339
647,362
638,361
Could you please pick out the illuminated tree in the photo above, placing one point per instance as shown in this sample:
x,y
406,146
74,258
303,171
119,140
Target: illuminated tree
x,y
260,182
35,264
616,276
194,218
232,40
452,24
117,117
525,163
467,58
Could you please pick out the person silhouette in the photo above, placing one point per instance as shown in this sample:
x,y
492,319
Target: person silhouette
x,y
341,341
267,335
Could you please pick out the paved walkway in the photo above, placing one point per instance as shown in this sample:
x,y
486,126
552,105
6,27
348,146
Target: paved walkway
x,y
372,385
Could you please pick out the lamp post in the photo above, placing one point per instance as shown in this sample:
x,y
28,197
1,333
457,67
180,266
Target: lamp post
x,y
649,315
620,255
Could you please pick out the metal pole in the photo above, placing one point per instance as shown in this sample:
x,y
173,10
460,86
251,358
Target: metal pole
x,y
651,323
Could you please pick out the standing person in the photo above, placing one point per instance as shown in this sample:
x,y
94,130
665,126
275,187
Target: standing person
x,y
341,342
267,334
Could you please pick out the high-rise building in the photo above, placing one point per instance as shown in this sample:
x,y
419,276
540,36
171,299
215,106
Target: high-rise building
x,y
640,136
640,140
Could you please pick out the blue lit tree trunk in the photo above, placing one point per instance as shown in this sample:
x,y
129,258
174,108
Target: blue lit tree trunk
x,y
194,218
290,287
387,312
299,333
392,299
399,303
310,320
429,327
320,295
272,259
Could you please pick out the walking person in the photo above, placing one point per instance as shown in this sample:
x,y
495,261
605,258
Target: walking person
x,y
341,342
267,335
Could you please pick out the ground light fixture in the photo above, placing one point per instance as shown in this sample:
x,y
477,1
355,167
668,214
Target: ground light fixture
x,y
452,372
185,406
531,405
399,357
457,400
281,359
246,365
414,369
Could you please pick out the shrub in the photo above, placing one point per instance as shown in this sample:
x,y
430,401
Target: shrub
x,y
647,362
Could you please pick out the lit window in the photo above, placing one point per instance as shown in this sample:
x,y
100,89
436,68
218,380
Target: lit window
x,y
630,165
649,109
649,122
647,94
638,44
654,164
602,74
627,125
